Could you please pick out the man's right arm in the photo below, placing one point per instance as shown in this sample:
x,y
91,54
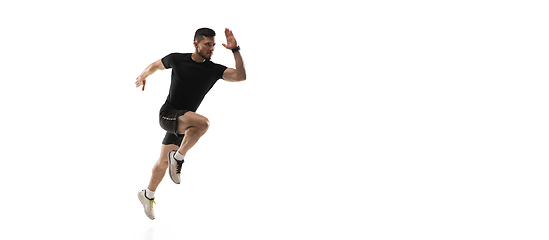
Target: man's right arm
x,y
141,79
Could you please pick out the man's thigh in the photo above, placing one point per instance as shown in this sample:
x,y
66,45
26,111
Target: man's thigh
x,y
191,119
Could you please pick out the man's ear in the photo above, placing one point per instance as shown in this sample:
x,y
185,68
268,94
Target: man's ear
x,y
195,43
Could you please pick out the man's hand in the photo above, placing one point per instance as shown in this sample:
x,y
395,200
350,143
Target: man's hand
x,y
231,41
140,81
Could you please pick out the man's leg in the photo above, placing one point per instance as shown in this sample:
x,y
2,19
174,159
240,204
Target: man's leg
x,y
193,125
159,169
146,197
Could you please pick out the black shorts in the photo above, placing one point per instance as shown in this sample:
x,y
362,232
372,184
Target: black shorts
x,y
168,118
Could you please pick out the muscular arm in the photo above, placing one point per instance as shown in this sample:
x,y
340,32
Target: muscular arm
x,y
149,70
231,74
238,74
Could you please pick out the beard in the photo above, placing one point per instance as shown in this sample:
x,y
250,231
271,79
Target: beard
x,y
204,55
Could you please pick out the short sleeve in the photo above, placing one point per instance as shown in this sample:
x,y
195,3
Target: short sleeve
x,y
168,60
220,69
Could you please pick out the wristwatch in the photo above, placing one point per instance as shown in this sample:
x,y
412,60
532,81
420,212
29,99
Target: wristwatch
x,y
236,49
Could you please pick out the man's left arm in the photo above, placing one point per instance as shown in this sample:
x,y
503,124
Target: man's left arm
x,y
231,74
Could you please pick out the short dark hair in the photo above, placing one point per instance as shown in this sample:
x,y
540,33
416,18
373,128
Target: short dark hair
x,y
203,32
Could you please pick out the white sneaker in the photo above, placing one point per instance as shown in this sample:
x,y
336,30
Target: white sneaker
x,y
147,204
174,167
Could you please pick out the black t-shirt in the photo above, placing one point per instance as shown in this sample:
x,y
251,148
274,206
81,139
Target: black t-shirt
x,y
190,80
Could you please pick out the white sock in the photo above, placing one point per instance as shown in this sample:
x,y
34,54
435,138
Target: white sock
x,y
149,194
178,156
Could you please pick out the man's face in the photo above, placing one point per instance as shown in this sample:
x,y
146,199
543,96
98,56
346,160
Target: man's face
x,y
205,47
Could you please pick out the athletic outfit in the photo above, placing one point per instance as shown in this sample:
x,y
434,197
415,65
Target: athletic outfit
x,y
190,83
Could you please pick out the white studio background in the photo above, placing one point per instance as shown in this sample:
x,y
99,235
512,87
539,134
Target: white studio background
x,y
359,120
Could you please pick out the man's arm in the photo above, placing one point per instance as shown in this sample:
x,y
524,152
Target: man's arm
x,y
231,74
141,79
238,74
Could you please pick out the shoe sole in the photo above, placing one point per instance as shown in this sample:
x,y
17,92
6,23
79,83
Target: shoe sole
x,y
170,168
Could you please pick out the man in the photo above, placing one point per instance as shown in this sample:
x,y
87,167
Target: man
x,y
193,75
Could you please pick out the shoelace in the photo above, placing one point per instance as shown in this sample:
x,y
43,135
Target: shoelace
x,y
151,202
179,164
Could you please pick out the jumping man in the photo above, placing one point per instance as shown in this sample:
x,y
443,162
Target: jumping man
x,y
193,75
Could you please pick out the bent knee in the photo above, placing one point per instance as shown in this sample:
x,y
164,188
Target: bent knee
x,y
193,120
200,122
203,123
